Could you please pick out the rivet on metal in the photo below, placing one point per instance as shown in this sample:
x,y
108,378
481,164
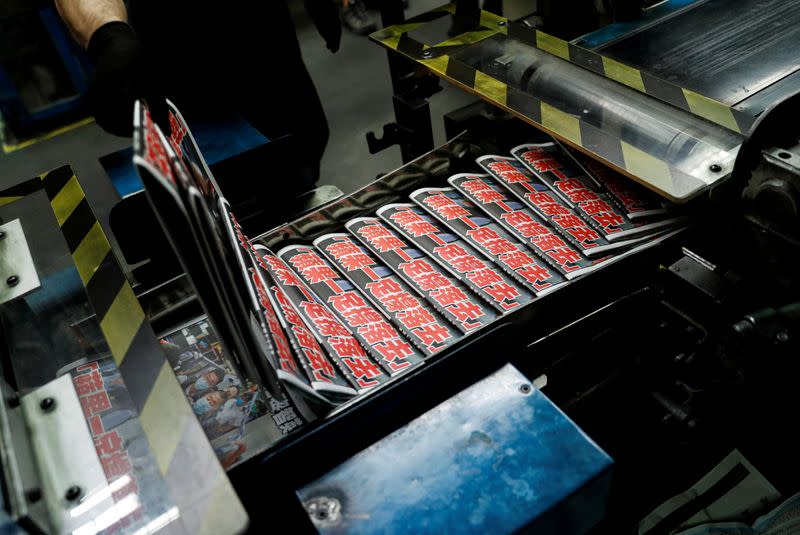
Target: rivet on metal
x,y
325,512
47,404
73,493
33,495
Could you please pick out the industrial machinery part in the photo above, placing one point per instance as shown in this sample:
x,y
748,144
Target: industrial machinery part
x,y
53,479
679,135
17,271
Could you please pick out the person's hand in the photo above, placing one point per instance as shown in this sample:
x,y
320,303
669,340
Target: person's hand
x,y
122,75
325,15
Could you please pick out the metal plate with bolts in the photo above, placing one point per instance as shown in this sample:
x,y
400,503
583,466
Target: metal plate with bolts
x,y
74,485
495,458
17,271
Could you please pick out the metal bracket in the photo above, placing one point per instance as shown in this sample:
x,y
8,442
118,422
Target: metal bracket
x,y
412,131
53,475
393,134
17,271
74,485
411,89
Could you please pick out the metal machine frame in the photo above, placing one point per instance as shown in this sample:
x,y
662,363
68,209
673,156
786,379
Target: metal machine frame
x,y
692,279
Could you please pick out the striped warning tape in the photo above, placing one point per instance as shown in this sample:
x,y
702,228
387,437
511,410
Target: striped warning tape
x,y
19,191
652,171
642,81
470,26
639,165
176,440
466,30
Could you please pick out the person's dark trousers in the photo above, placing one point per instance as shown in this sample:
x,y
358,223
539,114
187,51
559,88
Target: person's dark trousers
x,y
493,6
245,58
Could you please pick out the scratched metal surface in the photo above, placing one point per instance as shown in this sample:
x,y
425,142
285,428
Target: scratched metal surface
x,y
497,457
727,50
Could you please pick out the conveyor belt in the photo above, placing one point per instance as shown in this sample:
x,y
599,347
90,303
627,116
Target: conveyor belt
x,y
442,227
345,311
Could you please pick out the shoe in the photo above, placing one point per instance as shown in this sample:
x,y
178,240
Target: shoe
x,y
357,19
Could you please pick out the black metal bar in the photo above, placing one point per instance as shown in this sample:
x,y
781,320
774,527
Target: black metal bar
x,y
414,114
392,13
412,129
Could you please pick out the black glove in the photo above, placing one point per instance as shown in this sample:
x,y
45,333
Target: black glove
x,y
122,75
325,15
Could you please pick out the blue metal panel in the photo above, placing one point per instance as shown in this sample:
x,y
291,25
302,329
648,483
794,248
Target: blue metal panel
x,y
218,140
495,458
57,109
615,31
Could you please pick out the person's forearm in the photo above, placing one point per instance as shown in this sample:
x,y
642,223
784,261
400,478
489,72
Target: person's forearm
x,y
84,17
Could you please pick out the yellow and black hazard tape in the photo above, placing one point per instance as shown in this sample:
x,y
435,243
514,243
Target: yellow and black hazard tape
x,y
466,29
632,161
19,191
166,417
626,158
469,26
642,81
121,319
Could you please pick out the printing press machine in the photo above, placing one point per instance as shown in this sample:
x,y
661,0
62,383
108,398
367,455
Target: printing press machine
x,y
578,409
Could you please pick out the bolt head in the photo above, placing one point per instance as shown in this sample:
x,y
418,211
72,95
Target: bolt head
x,y
715,168
2,235
12,281
426,53
33,495
47,404
73,493
525,388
